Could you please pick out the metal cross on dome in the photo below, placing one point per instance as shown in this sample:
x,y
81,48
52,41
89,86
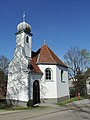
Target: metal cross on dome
x,y
24,17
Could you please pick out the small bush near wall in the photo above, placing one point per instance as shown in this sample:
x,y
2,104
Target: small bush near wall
x,y
30,103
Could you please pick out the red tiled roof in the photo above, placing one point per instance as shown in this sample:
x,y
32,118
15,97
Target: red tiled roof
x,y
44,56
32,65
47,56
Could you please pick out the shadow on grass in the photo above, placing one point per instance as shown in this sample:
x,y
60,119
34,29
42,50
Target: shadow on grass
x,y
5,106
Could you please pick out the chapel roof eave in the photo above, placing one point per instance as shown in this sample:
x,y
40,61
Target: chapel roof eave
x,y
51,64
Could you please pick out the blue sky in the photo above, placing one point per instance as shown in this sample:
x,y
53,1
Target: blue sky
x,y
62,23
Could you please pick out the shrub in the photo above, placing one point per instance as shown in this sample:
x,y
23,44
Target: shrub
x,y
30,103
72,92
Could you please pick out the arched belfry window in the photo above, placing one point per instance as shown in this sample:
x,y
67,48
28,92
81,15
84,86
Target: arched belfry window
x,y
48,74
27,39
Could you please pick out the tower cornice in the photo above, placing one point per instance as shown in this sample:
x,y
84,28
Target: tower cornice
x,y
19,32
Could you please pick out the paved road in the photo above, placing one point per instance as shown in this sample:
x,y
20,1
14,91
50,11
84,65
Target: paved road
x,y
83,114
69,114
75,111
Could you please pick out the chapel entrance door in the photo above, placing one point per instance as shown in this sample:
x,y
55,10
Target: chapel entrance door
x,y
36,92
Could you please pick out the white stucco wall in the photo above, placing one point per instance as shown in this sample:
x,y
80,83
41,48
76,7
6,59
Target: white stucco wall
x,y
62,87
54,88
48,89
17,85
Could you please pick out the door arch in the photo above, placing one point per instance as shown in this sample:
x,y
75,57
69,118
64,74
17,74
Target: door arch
x,y
36,92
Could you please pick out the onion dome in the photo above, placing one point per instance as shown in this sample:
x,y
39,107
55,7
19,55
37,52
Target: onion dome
x,y
24,26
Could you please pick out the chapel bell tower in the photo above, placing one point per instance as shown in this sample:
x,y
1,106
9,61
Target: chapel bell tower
x,y
24,37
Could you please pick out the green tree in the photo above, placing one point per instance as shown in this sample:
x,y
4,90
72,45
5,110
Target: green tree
x,y
80,84
78,61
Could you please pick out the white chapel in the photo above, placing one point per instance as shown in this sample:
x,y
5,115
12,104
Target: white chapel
x,y
39,76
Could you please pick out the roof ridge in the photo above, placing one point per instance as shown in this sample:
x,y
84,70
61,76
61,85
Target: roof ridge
x,y
50,54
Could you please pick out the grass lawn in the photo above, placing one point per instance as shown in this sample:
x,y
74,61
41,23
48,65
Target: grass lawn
x,y
25,108
3,106
70,100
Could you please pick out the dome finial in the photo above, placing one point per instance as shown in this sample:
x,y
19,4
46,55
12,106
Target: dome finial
x,y
24,16
44,42
23,25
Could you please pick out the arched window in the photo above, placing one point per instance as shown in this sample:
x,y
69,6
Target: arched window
x,y
48,74
27,39
62,76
